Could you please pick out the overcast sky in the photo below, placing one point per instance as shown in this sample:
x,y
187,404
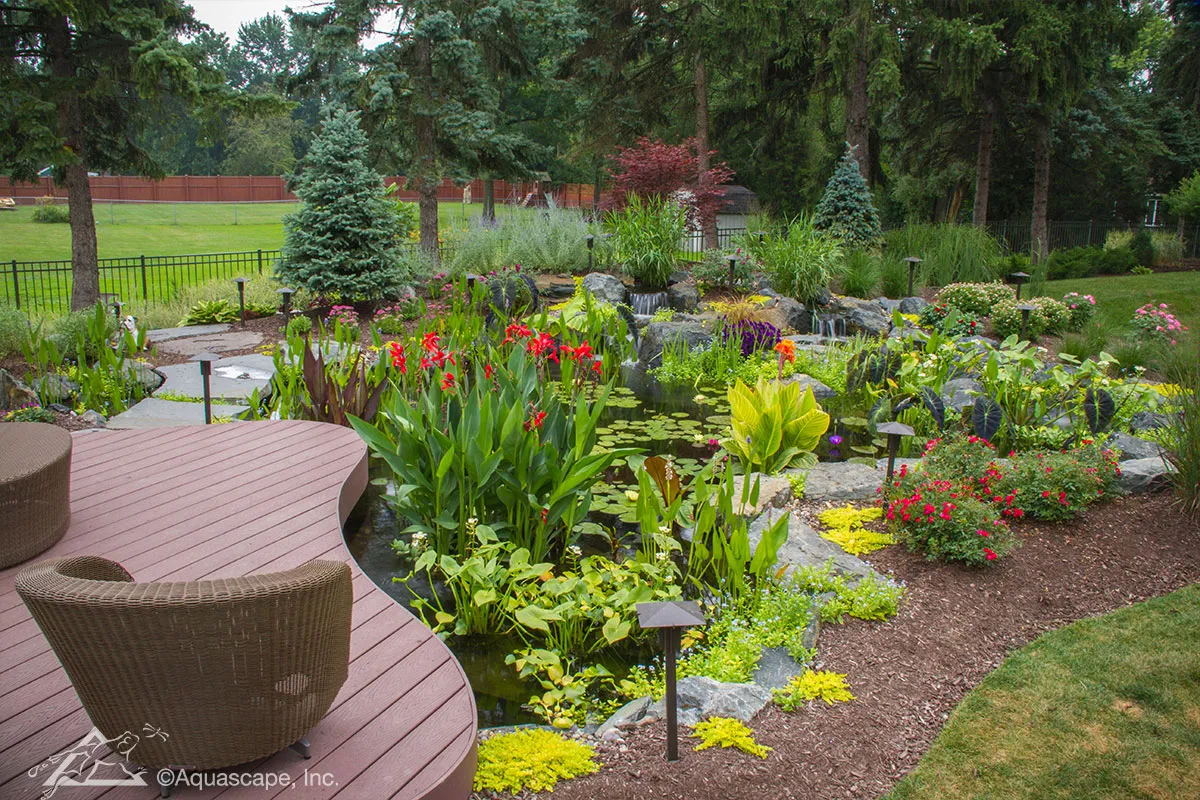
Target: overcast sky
x,y
225,16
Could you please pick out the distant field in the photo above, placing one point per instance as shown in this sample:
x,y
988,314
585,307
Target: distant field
x,y
124,229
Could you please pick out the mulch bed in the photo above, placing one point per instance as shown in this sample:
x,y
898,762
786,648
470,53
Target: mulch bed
x,y
954,626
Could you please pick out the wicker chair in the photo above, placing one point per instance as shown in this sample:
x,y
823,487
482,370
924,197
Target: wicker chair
x,y
35,489
230,670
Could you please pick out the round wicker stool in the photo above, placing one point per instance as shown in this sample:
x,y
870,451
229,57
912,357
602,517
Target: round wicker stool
x,y
35,489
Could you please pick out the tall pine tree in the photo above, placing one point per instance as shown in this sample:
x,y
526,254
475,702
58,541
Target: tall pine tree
x,y
342,241
847,209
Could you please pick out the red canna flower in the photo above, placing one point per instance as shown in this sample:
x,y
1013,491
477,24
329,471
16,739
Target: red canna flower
x,y
487,371
430,341
447,381
535,420
583,352
396,351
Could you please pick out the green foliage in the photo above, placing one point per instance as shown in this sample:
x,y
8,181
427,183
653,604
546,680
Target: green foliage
x,y
1085,262
774,426
870,598
342,240
530,760
727,732
1117,240
847,209
1168,247
712,271
14,331
800,261
1184,199
812,685
646,236
551,241
29,414
949,253
1056,486
719,362
209,312
260,145
975,298
1048,316
860,274
46,210
91,328
299,326
1143,247
844,527
1182,435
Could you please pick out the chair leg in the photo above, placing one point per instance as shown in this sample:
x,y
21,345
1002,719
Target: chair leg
x,y
302,747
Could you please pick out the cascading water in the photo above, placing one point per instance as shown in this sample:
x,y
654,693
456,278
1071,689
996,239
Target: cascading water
x,y
828,327
646,303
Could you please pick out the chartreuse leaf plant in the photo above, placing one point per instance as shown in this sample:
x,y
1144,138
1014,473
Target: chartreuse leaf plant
x,y
813,685
774,426
533,759
726,732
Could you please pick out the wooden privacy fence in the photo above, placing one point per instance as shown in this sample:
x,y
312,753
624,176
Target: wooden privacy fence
x,y
270,188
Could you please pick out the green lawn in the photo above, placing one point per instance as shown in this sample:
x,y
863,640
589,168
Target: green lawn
x,y
175,229
1105,709
1118,296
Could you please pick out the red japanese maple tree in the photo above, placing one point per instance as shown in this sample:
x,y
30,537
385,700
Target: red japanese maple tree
x,y
653,168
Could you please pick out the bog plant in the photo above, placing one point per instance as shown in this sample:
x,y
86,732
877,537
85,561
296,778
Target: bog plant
x,y
531,760
646,235
800,260
774,426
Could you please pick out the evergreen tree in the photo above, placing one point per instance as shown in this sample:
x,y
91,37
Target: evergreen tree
x,y
342,241
846,209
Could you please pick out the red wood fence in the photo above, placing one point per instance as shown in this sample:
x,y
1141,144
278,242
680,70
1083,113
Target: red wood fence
x,y
244,189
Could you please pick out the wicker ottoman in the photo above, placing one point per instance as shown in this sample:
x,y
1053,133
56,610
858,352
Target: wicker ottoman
x,y
35,489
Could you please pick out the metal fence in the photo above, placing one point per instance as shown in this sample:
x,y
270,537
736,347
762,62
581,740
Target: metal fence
x,y
1016,237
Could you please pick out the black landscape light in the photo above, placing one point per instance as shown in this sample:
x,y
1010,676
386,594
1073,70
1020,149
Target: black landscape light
x,y
1025,310
591,245
894,431
206,360
670,618
286,308
1019,278
241,284
732,270
912,271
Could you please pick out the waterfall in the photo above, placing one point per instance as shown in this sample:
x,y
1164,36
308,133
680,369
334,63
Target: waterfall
x,y
646,303
828,327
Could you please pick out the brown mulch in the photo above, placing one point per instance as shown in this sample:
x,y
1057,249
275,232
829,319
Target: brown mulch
x,y
954,626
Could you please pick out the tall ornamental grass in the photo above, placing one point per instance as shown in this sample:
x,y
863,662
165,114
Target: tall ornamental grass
x,y
1182,435
800,261
949,253
646,237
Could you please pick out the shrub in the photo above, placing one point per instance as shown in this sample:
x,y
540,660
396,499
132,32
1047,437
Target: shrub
x,y
46,210
1117,262
646,236
551,241
530,760
1082,308
342,240
1006,321
712,271
1168,247
1118,240
847,210
800,261
1085,262
950,253
1157,324
860,274
14,331
1055,313
727,732
1143,247
1057,486
975,298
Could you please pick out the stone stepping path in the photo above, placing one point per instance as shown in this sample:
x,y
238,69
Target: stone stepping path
x,y
226,342
233,378
155,413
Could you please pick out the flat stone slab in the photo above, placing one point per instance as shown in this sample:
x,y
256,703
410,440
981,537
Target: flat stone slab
x,y
167,334
213,343
235,377
842,480
155,413
805,548
773,492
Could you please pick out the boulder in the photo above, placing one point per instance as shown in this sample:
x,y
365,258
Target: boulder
x,y
820,391
1148,421
14,394
1141,475
958,393
776,666
625,716
887,304
557,289
604,287
839,481
94,418
683,297
868,320
913,305
56,386
773,492
805,548
911,463
659,334
150,378
794,315
700,698
1131,447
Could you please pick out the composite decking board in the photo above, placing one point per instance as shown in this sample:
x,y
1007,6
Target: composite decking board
x,y
448,767
294,477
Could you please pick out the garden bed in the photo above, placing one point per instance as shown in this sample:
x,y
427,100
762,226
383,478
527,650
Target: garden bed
x,y
955,625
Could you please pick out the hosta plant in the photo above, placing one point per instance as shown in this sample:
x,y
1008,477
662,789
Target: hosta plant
x,y
774,426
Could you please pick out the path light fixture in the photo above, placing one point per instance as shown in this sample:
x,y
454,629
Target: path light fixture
x,y
591,245
762,237
1025,310
286,308
206,360
912,272
670,618
894,431
241,284
732,270
1019,278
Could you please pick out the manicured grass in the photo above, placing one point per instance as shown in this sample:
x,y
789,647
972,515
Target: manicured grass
x,y
1106,709
1118,296
124,230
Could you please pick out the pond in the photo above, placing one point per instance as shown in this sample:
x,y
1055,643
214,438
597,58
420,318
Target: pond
x,y
683,422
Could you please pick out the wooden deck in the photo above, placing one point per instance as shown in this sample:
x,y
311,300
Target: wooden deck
x,y
226,500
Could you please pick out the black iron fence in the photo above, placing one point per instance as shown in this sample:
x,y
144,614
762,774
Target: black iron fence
x,y
1016,236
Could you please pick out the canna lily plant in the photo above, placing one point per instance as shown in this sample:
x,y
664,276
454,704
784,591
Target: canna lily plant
x,y
774,426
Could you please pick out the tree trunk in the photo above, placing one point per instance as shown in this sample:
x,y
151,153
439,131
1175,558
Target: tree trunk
x,y
1038,227
85,270
489,200
708,220
956,201
858,128
983,165
428,179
